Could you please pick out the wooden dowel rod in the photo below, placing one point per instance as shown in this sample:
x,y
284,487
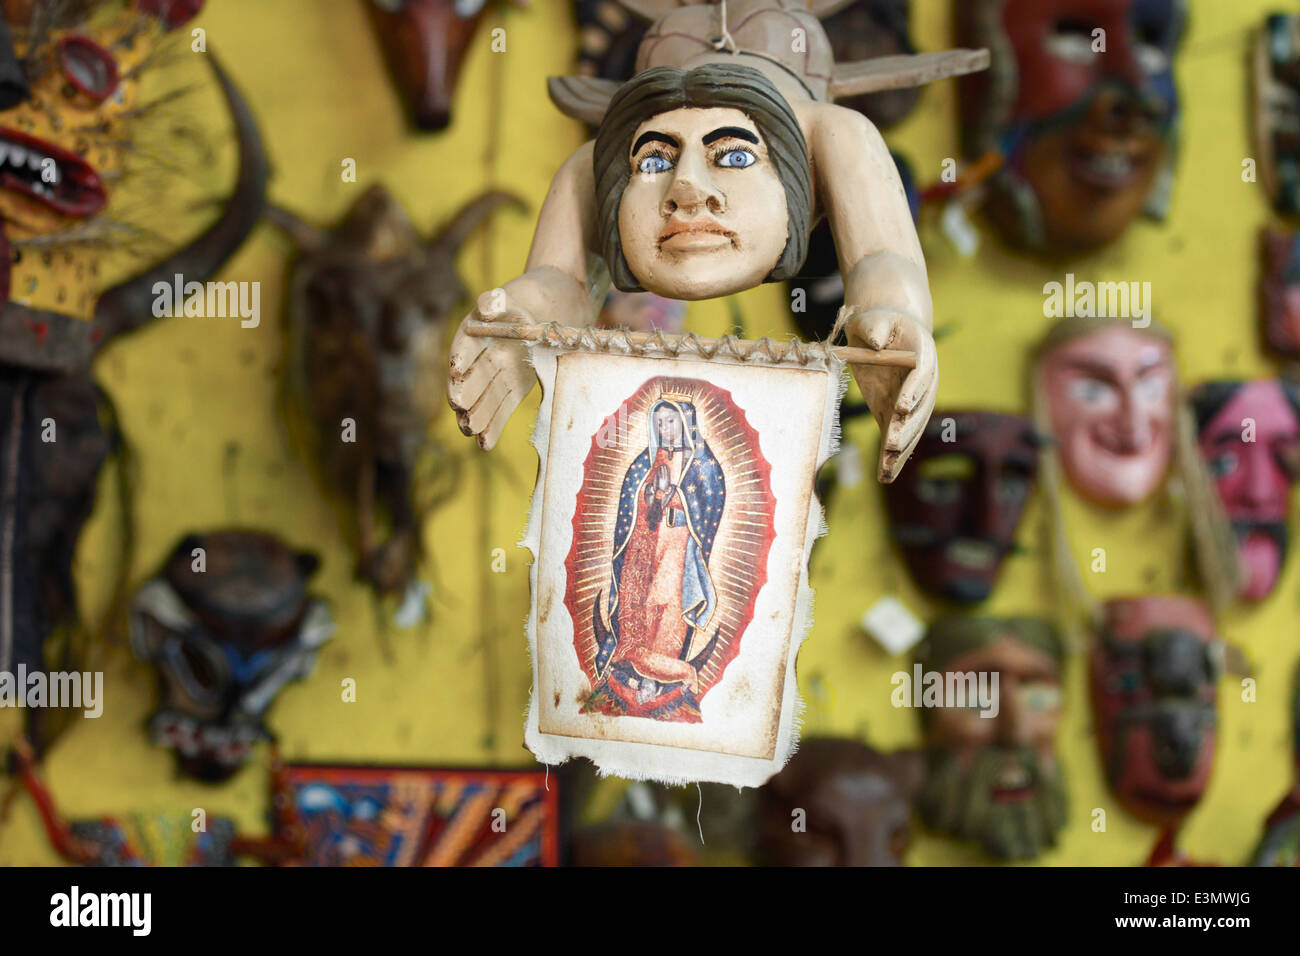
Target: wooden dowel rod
x,y
897,358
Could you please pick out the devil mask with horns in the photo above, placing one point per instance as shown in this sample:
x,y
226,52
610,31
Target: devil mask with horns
x,y
69,73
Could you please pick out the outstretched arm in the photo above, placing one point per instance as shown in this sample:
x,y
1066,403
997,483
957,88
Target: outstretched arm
x,y
885,282
488,377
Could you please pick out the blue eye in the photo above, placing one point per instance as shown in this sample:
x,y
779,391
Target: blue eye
x,y
737,158
655,164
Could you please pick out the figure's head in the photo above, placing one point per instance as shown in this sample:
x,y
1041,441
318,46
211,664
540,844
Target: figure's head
x,y
227,624
1249,435
668,426
857,803
1152,670
955,509
1080,102
1109,391
994,778
702,183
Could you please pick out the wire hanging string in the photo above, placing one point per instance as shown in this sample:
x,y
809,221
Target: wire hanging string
x,y
725,39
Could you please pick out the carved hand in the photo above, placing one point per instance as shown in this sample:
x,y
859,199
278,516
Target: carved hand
x,y
901,399
489,377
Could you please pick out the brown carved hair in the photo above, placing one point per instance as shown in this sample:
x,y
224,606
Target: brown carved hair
x,y
661,89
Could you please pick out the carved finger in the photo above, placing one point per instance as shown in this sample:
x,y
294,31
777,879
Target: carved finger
x,y
901,440
465,352
923,380
487,439
471,384
480,413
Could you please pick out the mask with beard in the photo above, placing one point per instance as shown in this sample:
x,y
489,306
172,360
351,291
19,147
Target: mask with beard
x,y
995,778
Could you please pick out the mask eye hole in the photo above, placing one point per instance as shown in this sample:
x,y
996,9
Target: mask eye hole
x,y
88,67
201,669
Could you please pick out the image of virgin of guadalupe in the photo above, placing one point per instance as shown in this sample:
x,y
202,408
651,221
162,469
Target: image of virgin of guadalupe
x,y
651,623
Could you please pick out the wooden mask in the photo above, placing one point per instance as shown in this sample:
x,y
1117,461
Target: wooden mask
x,y
954,511
1277,110
1109,396
1249,436
1152,670
226,624
1081,105
857,803
991,774
1279,292
424,44
369,306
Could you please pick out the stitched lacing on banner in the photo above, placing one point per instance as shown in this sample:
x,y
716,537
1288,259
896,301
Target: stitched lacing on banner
x,y
689,343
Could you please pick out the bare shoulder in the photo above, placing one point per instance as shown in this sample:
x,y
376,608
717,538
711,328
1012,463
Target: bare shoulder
x,y
827,126
577,169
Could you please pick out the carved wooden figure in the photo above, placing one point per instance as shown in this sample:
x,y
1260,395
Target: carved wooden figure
x,y
709,168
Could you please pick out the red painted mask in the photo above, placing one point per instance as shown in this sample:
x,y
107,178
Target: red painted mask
x,y
1152,671
1086,132
1249,434
955,508
1280,292
425,42
1110,400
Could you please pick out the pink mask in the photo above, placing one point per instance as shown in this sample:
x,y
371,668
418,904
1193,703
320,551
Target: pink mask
x,y
1250,437
1110,400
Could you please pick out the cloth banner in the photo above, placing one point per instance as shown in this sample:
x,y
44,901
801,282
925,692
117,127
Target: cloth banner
x,y
671,526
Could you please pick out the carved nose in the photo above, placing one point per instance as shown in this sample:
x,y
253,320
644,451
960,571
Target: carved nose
x,y
689,198
1176,744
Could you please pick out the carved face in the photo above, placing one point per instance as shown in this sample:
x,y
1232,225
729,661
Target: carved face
x,y
704,213
1085,131
856,806
1280,292
1152,671
954,510
1250,438
1110,398
227,624
995,779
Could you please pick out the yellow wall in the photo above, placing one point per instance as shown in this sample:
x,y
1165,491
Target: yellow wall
x,y
189,388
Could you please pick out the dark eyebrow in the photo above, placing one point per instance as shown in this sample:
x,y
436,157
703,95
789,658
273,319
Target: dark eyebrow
x,y
653,136
730,132
1092,368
